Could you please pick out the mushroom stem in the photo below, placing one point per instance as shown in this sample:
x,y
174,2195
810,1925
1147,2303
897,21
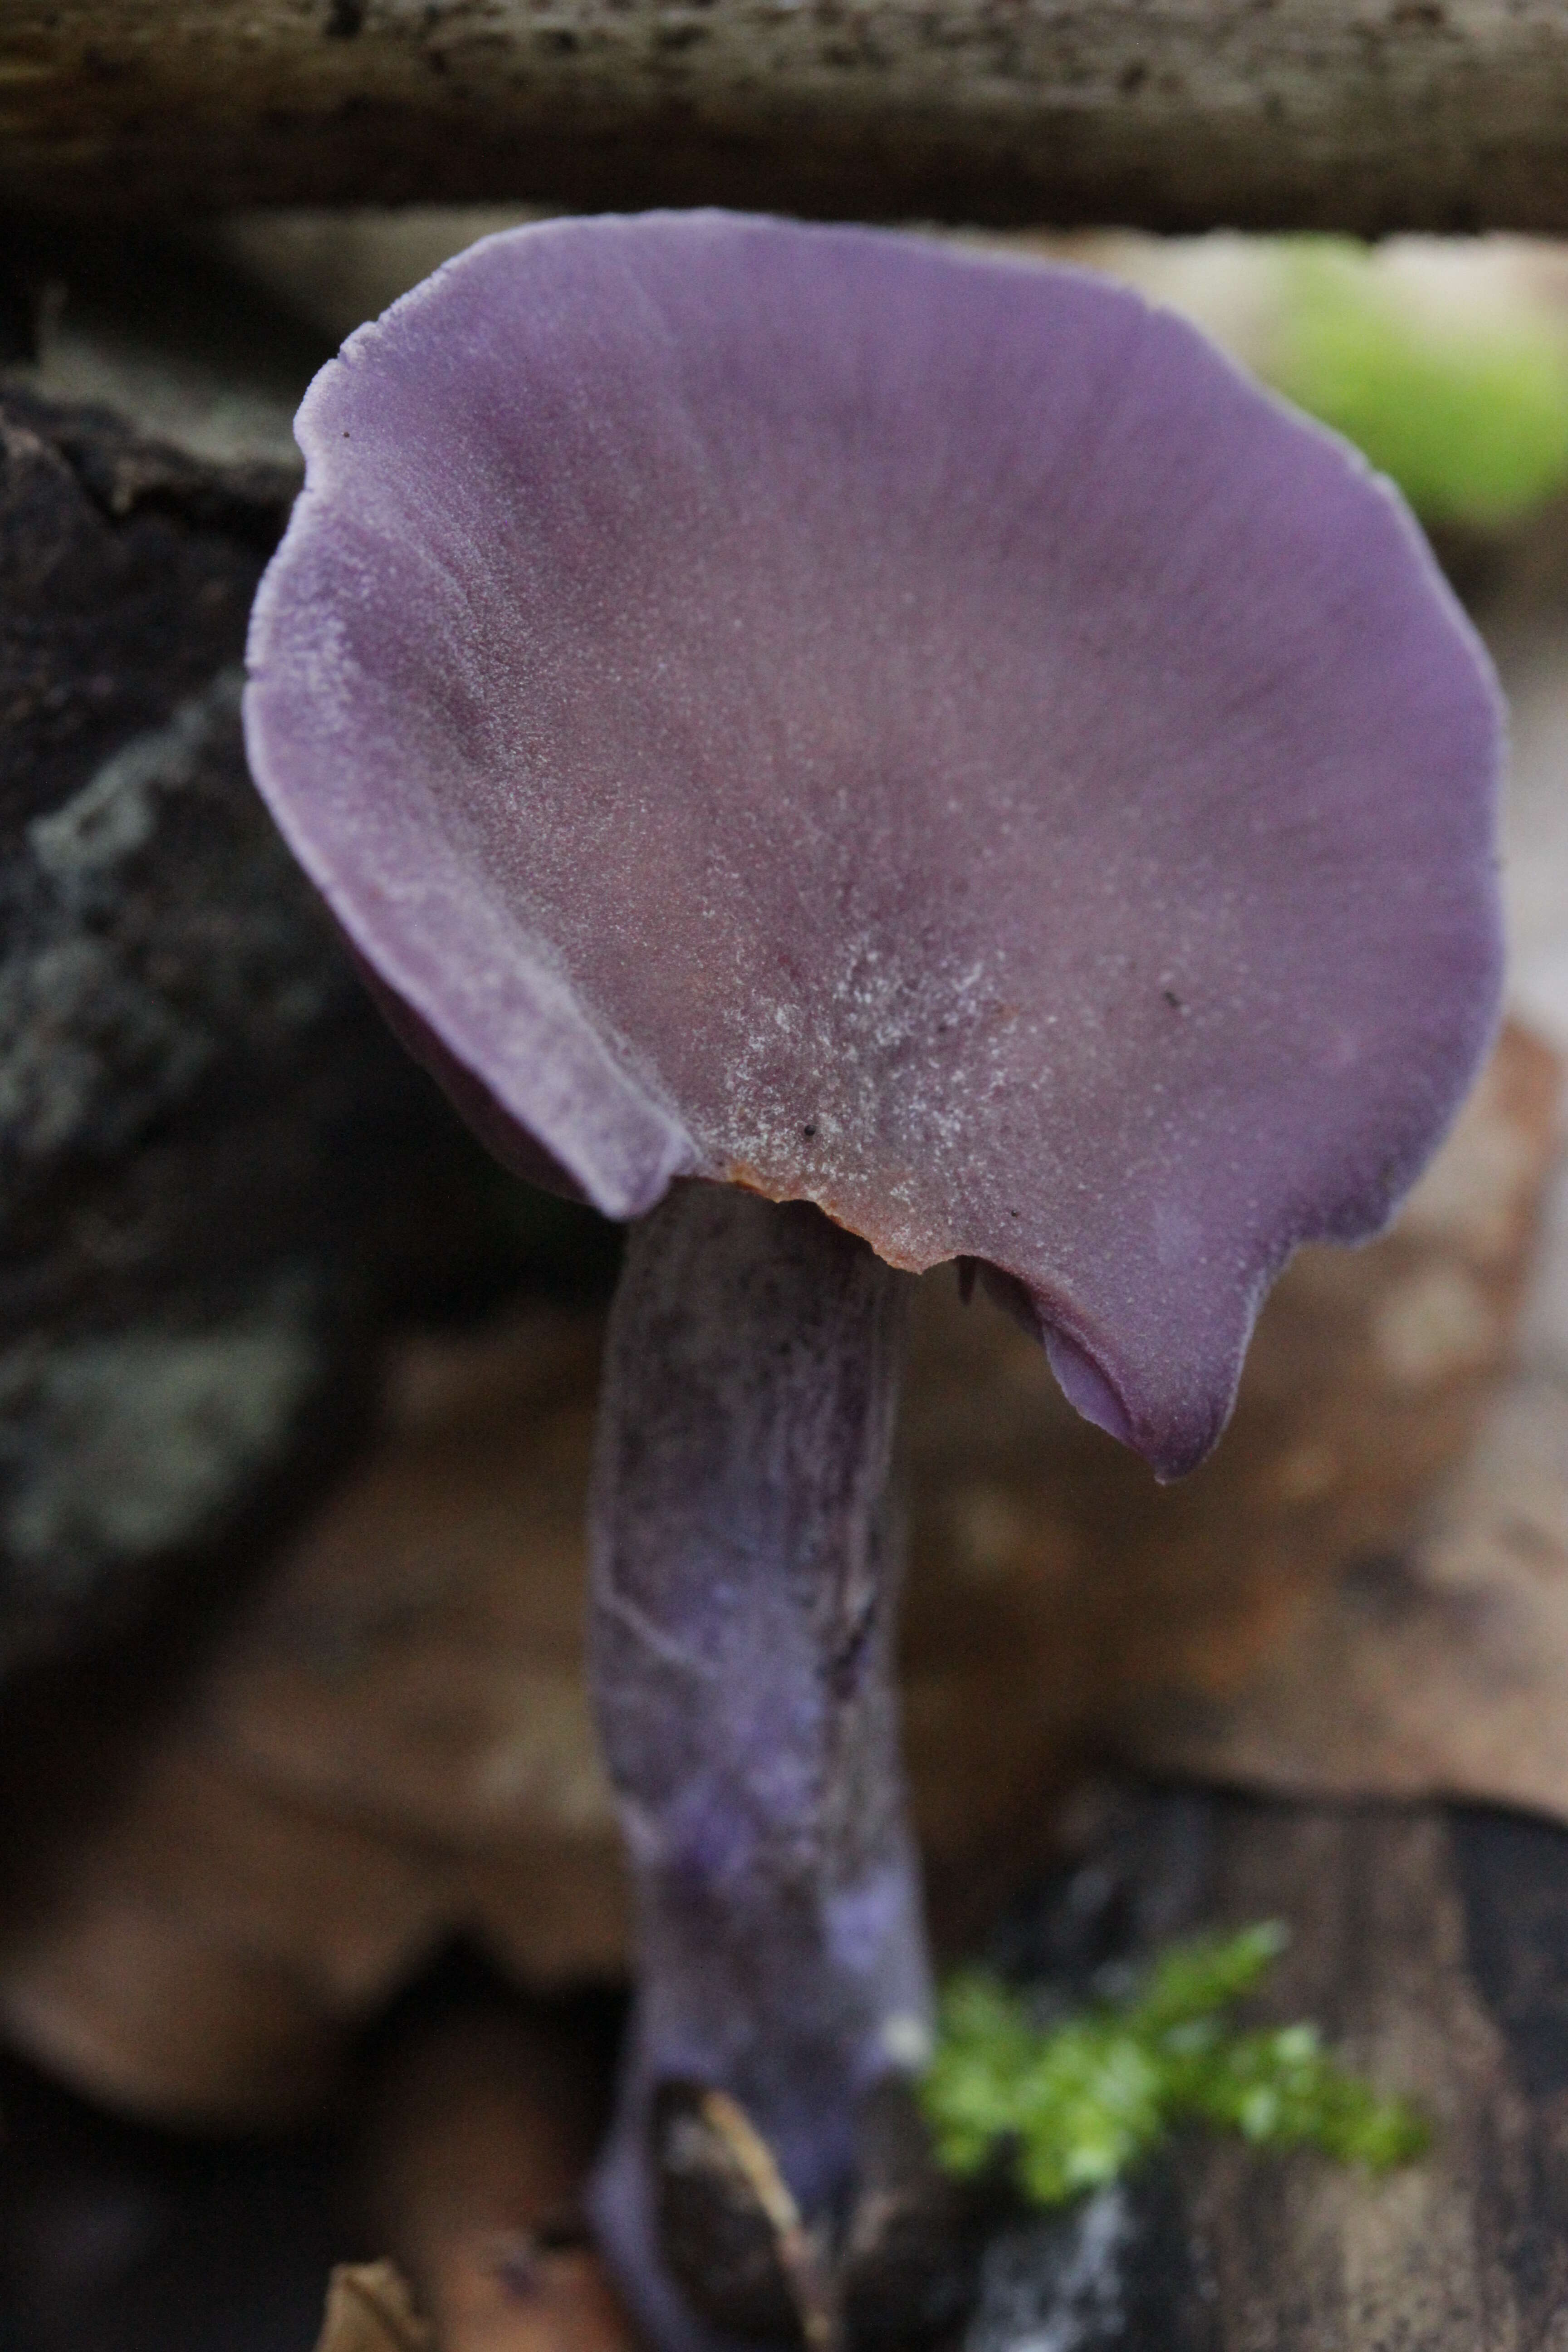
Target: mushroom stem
x,y
744,1581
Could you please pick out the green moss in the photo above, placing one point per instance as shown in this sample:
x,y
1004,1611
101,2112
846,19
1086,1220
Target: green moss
x,y
1470,420
1078,2102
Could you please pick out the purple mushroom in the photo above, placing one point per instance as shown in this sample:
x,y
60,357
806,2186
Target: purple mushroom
x,y
852,754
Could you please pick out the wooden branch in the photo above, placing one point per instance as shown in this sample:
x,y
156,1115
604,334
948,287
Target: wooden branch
x,y
1367,115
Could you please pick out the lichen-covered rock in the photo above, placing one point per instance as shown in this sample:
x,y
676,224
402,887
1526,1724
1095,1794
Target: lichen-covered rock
x,y
215,1170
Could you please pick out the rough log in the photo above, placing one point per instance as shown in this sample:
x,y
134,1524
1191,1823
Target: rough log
x,y
1367,115
1429,1945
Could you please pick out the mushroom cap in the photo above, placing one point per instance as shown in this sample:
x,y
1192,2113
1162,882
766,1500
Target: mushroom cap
x,y
900,728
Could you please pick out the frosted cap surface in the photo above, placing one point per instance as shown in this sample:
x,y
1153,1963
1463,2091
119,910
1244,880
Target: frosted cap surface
x,y
900,728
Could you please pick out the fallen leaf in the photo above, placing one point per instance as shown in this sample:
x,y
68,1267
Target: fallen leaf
x,y
369,2309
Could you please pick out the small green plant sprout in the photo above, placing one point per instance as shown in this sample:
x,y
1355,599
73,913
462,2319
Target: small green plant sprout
x,y
1073,2106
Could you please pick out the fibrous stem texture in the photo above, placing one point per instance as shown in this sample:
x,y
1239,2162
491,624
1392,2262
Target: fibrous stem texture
x,y
743,1586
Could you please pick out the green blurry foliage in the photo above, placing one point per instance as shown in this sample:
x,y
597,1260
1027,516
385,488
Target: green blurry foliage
x,y
1072,2106
1470,417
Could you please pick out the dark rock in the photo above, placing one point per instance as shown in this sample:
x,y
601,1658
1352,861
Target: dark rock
x,y
1116,2272
218,1174
910,2251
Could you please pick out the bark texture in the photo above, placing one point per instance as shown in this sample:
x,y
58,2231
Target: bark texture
x,y
1429,1945
1365,115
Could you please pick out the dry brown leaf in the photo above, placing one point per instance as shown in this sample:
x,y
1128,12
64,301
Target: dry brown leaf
x,y
502,2293
479,2133
369,2309
393,1744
